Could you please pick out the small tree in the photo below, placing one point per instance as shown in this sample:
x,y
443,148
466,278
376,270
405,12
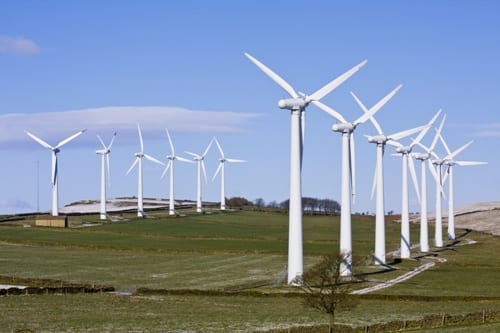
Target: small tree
x,y
325,290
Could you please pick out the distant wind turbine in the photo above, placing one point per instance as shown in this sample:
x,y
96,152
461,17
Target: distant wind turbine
x,y
138,162
423,157
200,160
104,152
407,164
55,150
451,162
220,168
297,105
378,182
348,178
170,165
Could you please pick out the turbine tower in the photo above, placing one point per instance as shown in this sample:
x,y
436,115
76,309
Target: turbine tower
x,y
423,157
170,165
200,160
104,152
451,162
407,163
438,177
220,168
55,150
297,105
138,162
380,140
348,179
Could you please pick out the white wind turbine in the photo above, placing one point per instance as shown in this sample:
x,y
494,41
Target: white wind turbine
x,y
438,177
104,152
378,182
170,165
297,105
220,168
138,161
200,160
348,179
407,164
55,150
451,162
422,157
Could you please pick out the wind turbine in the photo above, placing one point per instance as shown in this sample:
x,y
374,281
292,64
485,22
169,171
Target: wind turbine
x,y
200,159
450,161
438,177
348,172
297,105
407,163
170,165
55,150
138,162
220,168
423,157
378,182
104,152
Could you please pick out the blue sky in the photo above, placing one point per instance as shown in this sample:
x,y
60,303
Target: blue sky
x,y
107,65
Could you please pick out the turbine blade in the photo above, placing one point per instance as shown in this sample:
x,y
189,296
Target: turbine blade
x,y
219,147
208,147
192,154
438,133
413,174
232,160
203,169
40,141
140,138
459,150
470,163
65,141
394,143
182,159
217,171
374,184
330,111
377,106
133,165
426,129
352,166
152,159
402,134
102,142
170,142
445,146
112,140
275,77
166,169
54,168
325,90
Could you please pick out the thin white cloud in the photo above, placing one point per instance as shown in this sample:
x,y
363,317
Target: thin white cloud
x,y
489,130
18,46
54,126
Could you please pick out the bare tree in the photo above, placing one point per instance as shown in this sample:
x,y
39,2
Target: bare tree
x,y
325,290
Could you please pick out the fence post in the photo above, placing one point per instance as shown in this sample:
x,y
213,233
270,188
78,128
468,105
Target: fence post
x,y
443,320
484,316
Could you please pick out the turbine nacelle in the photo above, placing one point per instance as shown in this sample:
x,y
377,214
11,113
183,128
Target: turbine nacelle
x,y
343,127
139,155
422,156
403,150
292,104
380,139
102,151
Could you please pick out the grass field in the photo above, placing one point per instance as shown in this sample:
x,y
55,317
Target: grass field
x,y
233,251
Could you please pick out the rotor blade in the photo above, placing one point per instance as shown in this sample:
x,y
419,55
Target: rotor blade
x,y
438,133
232,160
182,159
133,165
54,168
140,138
374,184
424,147
376,107
470,163
413,174
402,134
217,171
219,147
102,142
394,143
365,110
459,150
330,111
426,129
170,142
325,90
166,169
152,159
65,141
112,140
192,154
208,147
40,141
275,77
352,166
203,169
445,145
437,178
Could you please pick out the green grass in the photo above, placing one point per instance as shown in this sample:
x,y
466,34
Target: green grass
x,y
241,250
